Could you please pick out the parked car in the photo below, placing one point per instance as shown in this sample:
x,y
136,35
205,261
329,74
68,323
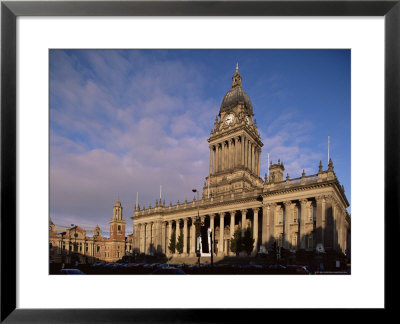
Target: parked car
x,y
169,270
298,269
70,272
276,267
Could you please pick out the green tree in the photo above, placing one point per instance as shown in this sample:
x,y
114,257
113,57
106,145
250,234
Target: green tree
x,y
179,244
248,241
236,242
172,243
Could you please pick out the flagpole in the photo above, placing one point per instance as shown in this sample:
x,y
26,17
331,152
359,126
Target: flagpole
x,y
328,147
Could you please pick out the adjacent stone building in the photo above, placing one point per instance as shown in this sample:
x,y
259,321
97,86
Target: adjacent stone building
x,y
68,245
301,213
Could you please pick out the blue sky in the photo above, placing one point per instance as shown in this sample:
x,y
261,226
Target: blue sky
x,y
128,121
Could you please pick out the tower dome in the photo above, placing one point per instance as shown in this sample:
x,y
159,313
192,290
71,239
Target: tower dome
x,y
236,95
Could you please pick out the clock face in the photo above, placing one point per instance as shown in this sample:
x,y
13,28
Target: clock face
x,y
247,119
229,119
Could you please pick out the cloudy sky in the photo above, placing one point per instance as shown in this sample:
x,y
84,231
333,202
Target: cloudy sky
x,y
124,122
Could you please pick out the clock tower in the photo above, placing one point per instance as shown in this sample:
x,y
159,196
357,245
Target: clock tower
x,y
235,146
117,223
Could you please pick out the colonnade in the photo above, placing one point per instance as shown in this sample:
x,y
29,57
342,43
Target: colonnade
x,y
238,151
153,237
295,224
304,223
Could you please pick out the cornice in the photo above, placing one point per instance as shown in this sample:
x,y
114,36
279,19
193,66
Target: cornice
x,y
214,136
315,185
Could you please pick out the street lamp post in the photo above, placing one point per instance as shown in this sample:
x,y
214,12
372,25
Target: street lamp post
x,y
75,235
198,227
62,246
211,248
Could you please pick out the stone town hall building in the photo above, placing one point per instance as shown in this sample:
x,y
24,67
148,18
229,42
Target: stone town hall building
x,y
300,213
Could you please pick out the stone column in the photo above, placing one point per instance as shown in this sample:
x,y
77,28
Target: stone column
x,y
151,246
287,222
221,234
228,154
177,230
211,160
243,211
304,210
249,156
232,229
341,227
221,155
320,216
135,237
252,158
185,236
335,229
242,149
144,237
232,153
328,223
212,230
255,229
163,236
265,232
216,159
256,161
169,236
237,161
193,238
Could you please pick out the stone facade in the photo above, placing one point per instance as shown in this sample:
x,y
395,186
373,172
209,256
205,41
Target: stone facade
x,y
299,213
72,244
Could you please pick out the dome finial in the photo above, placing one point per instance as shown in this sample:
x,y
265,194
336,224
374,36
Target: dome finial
x,y
237,67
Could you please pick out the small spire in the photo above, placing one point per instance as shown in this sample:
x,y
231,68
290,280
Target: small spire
x,y
303,174
330,165
237,67
320,166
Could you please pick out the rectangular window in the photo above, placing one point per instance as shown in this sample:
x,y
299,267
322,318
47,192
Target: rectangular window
x,y
98,248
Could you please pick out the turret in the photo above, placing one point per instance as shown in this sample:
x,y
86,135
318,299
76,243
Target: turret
x,y
276,172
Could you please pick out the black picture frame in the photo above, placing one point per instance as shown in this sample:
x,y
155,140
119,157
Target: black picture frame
x,y
10,10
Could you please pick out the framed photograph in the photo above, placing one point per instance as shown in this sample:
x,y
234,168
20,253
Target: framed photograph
x,y
83,83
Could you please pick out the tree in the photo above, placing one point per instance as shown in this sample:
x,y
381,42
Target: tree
x,y
179,244
172,243
274,250
248,241
236,242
